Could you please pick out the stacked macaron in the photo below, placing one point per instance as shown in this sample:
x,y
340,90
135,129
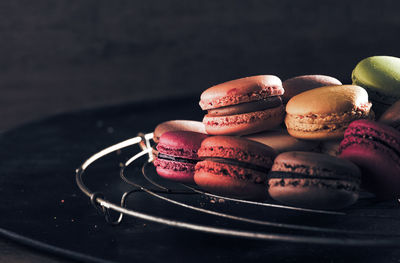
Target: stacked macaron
x,y
243,106
308,141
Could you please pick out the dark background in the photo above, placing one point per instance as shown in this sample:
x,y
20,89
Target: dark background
x,y
58,56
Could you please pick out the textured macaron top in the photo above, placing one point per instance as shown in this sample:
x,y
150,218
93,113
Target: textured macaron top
x,y
341,100
374,132
238,149
240,91
177,125
378,73
309,164
299,84
181,143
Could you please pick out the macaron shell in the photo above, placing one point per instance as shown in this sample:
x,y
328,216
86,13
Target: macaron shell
x,y
391,116
240,91
281,141
246,123
315,164
299,84
335,132
317,194
239,149
380,74
176,171
328,100
217,178
177,125
181,143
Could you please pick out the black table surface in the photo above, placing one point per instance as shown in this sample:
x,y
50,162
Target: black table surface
x,y
42,206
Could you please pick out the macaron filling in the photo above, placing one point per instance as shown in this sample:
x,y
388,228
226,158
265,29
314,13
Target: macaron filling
x,y
291,175
238,163
175,158
260,105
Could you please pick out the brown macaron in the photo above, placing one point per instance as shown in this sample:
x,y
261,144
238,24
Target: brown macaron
x,y
314,180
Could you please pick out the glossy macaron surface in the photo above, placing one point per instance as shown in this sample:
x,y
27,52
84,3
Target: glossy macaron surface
x,y
299,84
324,113
234,167
375,148
313,180
240,91
380,75
177,155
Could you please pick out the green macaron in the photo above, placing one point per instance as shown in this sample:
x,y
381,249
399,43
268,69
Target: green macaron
x,y
380,76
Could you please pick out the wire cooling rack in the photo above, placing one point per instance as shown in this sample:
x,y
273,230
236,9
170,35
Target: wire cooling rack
x,y
239,225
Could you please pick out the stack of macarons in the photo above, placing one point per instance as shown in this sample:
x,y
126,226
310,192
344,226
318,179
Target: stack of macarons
x,y
309,141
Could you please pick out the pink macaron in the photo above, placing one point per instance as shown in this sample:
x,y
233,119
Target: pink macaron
x,y
375,148
243,106
177,155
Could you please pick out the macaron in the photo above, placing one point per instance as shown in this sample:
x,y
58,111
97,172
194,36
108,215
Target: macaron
x,y
234,167
380,76
391,116
299,84
280,140
324,113
243,106
313,180
375,148
177,155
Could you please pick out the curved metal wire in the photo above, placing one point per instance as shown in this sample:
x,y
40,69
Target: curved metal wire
x,y
104,206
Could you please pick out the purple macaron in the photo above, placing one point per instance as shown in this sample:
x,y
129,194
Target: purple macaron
x,y
375,148
177,155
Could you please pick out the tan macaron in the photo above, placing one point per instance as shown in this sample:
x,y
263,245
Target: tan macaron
x,y
324,113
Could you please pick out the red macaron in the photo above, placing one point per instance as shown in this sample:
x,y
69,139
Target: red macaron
x,y
177,155
375,148
234,167
243,106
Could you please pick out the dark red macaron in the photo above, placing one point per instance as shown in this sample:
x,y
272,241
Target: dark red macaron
x,y
177,155
234,167
375,148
